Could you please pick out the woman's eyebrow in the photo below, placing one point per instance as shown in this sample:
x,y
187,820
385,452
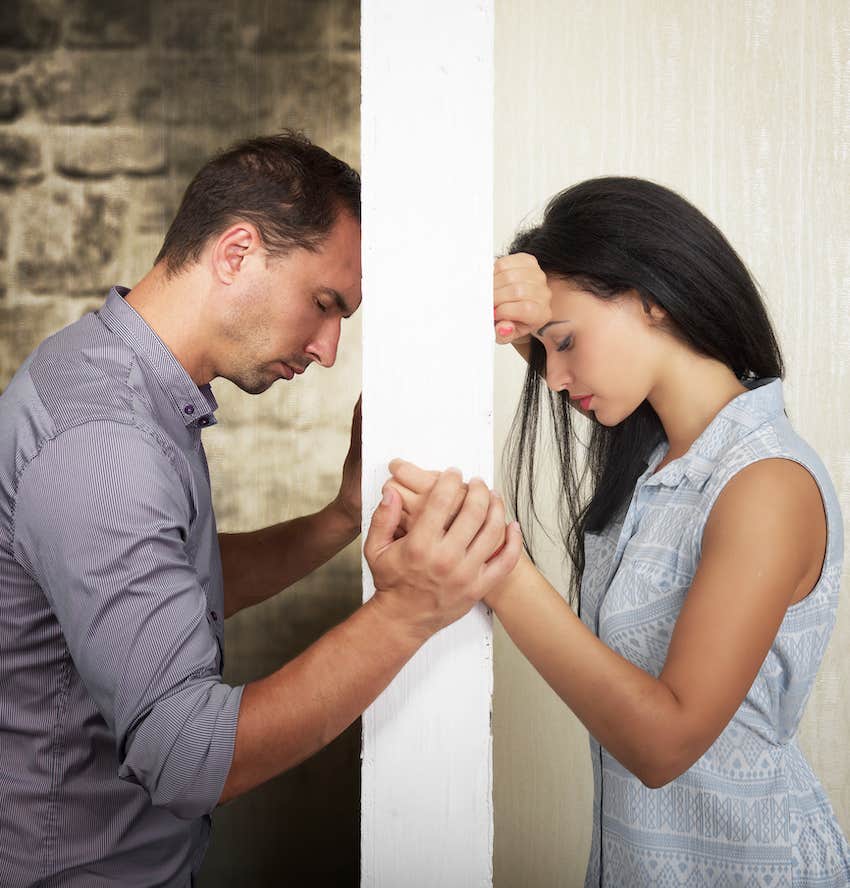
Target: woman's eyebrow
x,y
545,327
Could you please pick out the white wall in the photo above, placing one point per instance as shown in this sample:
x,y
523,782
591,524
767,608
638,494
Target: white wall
x,y
427,148
743,107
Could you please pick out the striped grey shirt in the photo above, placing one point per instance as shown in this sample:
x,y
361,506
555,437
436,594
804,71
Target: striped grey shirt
x,y
116,730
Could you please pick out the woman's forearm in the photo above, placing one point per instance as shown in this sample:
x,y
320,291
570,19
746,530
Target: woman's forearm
x,y
636,717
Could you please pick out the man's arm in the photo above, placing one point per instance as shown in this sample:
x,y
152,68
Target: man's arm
x,y
423,582
259,564
101,522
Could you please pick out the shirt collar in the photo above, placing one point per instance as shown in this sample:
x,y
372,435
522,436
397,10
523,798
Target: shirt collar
x,y
195,405
749,410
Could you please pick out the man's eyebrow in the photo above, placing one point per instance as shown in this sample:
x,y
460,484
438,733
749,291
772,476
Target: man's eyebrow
x,y
338,299
545,327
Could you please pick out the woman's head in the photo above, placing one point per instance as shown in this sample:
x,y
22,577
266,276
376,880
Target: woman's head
x,y
636,273
604,354
617,237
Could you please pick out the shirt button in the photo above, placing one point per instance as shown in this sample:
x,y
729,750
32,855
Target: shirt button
x,y
189,409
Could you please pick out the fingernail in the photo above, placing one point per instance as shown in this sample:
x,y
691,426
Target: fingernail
x,y
505,329
387,498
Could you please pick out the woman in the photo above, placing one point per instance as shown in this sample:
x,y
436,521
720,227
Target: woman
x,y
706,542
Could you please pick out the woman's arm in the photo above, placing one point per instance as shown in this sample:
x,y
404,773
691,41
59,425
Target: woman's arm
x,y
763,547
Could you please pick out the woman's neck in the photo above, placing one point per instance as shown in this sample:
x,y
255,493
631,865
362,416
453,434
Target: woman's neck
x,y
690,392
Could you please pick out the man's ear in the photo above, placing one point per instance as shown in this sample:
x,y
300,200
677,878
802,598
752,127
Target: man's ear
x,y
231,248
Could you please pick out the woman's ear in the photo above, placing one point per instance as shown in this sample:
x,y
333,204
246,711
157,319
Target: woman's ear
x,y
656,313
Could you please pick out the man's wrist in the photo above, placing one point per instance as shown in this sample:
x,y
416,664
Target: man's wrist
x,y
409,632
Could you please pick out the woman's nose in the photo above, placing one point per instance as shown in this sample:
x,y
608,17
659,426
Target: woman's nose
x,y
558,376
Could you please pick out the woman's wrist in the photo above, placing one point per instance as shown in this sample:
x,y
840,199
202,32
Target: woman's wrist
x,y
498,597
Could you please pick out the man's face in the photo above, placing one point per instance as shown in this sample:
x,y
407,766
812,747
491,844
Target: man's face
x,y
288,310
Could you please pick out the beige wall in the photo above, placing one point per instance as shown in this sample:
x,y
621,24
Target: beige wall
x,y
743,107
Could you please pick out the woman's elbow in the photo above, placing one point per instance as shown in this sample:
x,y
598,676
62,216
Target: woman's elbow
x,y
663,769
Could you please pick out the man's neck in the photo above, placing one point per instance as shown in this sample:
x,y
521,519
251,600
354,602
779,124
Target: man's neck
x,y
173,307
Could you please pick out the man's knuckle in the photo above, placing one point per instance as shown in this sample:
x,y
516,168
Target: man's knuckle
x,y
443,564
414,552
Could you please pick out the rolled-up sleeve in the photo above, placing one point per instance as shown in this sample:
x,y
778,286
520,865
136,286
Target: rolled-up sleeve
x,y
102,521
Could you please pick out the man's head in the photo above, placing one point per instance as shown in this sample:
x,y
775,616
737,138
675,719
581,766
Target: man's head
x,y
270,229
290,190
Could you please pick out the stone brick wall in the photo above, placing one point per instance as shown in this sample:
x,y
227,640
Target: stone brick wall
x,y
107,108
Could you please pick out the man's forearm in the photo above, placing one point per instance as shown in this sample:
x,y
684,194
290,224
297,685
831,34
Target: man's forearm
x,y
258,564
292,713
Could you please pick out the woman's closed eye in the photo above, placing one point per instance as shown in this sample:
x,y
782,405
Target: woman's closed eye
x,y
565,343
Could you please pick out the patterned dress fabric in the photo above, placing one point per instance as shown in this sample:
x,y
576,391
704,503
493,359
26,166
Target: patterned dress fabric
x,y
750,813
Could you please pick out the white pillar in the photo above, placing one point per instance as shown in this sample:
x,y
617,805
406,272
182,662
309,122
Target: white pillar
x,y
427,148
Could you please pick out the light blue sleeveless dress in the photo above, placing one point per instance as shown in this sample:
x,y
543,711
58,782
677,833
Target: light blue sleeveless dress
x,y
750,812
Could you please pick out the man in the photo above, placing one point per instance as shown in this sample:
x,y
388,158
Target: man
x,y
118,736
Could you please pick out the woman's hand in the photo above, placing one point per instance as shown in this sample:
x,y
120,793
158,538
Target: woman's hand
x,y
414,485
521,298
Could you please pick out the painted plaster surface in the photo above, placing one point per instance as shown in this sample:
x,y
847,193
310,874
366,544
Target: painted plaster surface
x,y
745,109
427,396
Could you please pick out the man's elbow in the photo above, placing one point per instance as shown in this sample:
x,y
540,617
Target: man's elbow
x,y
181,751
182,803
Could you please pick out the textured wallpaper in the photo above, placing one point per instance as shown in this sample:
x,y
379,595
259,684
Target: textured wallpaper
x,y
743,107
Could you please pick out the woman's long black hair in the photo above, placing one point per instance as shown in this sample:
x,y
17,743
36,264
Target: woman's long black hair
x,y
609,236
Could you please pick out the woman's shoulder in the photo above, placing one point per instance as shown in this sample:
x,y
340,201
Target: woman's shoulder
x,y
784,452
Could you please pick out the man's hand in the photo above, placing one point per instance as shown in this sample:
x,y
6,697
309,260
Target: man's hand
x,y
434,575
521,298
347,501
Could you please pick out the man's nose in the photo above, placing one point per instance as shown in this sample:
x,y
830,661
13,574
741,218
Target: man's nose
x,y
323,348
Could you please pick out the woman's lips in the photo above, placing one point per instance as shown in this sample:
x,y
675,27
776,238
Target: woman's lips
x,y
583,401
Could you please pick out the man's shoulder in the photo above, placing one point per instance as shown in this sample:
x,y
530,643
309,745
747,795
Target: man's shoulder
x,y
82,373
79,375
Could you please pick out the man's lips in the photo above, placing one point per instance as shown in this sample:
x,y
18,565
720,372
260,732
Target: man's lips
x,y
289,370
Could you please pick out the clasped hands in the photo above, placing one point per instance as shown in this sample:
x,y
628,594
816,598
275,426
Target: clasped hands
x,y
436,545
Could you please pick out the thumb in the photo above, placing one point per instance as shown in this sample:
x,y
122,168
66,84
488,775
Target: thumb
x,y
385,522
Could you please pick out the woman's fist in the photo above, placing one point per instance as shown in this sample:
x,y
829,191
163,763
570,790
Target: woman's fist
x,y
521,298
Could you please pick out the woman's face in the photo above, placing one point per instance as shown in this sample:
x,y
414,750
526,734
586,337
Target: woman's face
x,y
604,353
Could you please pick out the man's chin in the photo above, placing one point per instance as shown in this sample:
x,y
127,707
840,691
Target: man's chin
x,y
256,385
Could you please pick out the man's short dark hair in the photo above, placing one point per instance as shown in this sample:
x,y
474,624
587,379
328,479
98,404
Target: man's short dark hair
x,y
289,188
